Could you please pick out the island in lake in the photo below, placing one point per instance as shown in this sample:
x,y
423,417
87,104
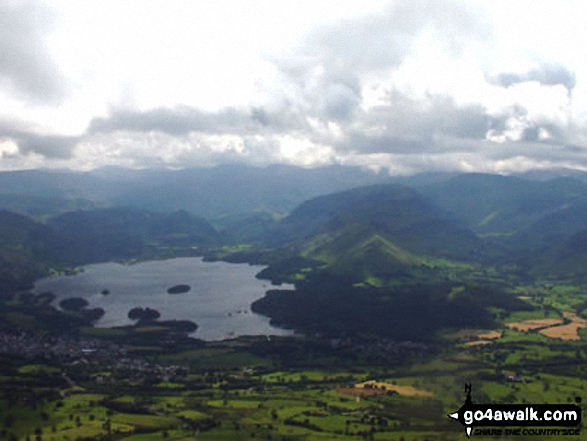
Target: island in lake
x,y
178,289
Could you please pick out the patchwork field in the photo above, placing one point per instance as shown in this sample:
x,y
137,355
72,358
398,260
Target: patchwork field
x,y
532,325
406,391
569,331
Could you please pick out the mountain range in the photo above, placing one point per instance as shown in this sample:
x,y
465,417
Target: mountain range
x,y
342,216
375,247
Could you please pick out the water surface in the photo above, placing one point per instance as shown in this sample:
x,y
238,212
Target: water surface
x,y
219,300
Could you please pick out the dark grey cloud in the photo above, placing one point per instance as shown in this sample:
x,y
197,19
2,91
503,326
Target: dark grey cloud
x,y
546,74
437,125
408,126
183,120
364,143
50,146
556,134
402,125
25,66
176,121
29,140
572,148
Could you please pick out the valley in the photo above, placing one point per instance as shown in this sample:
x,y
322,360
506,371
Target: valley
x,y
398,296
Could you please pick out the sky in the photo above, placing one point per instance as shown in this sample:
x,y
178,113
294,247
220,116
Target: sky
x,y
402,86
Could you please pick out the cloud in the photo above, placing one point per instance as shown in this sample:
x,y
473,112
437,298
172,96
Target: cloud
x,y
25,66
403,88
518,124
380,41
327,73
478,156
545,74
407,125
27,138
197,149
339,102
401,126
183,120
49,146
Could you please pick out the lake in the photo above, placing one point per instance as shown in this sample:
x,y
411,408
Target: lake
x,y
219,300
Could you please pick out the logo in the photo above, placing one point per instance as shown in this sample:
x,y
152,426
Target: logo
x,y
472,415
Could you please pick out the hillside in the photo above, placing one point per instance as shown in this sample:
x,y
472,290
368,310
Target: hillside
x,y
29,248
492,204
25,248
125,233
396,213
565,259
372,259
556,226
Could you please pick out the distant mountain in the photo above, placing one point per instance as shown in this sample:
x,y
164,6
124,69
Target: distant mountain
x,y
26,247
502,204
209,192
396,213
41,207
49,183
566,259
29,248
340,215
231,189
368,233
555,226
123,233
553,173
246,227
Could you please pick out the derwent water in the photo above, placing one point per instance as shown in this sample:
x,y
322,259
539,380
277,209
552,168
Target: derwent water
x,y
219,299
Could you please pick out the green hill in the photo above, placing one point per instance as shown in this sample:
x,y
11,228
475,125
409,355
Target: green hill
x,y
395,213
374,259
368,234
26,247
29,248
124,233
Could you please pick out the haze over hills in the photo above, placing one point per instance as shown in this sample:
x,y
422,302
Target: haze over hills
x,y
246,201
565,259
521,218
503,204
332,214
208,192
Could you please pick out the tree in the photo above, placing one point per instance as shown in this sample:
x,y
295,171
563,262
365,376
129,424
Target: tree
x,y
73,304
143,314
94,314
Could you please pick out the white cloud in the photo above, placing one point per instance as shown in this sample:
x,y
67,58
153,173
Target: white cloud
x,y
27,70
